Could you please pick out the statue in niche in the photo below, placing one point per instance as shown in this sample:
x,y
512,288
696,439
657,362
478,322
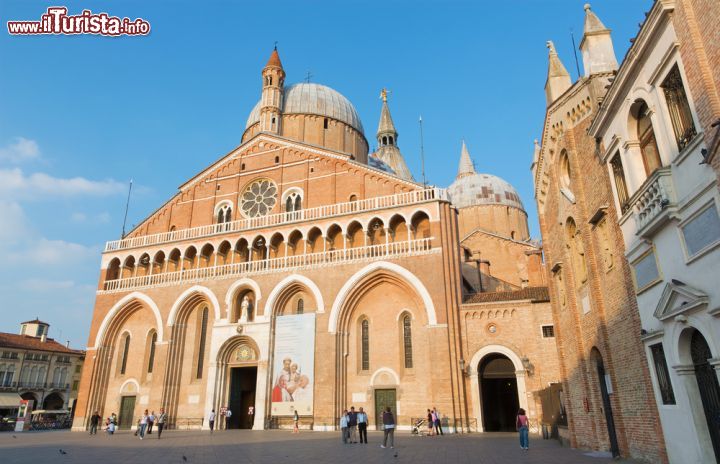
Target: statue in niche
x,y
246,308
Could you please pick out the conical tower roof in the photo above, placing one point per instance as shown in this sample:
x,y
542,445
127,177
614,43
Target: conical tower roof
x,y
466,167
274,59
592,22
386,125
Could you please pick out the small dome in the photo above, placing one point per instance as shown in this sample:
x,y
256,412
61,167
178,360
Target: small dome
x,y
310,98
483,189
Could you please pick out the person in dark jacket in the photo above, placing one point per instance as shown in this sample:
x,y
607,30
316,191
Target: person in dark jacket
x,y
94,422
389,427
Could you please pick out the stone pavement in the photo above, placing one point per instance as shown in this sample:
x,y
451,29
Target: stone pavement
x,y
278,447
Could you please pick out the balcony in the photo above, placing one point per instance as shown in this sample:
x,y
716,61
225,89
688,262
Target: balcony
x,y
8,386
272,265
654,202
31,385
320,212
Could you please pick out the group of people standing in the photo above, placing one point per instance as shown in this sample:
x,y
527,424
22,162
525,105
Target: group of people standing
x,y
352,423
434,423
145,423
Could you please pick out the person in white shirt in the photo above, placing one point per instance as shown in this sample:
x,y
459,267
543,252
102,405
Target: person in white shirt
x,y
211,419
362,420
228,415
143,424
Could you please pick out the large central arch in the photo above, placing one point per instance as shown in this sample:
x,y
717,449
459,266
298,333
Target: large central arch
x,y
475,381
400,271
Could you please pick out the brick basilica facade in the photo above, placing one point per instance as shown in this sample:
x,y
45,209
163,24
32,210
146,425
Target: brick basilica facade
x,y
299,272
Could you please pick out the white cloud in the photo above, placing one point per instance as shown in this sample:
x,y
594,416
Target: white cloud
x,y
15,184
20,150
44,251
14,223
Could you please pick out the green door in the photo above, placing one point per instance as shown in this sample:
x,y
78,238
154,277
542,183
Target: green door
x,y
383,399
127,409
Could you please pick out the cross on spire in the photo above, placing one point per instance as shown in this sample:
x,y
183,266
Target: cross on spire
x,y
308,76
276,42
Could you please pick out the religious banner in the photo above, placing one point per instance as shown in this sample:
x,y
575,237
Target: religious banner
x,y
293,365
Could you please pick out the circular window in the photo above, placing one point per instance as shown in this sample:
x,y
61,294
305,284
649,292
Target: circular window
x,y
492,328
259,198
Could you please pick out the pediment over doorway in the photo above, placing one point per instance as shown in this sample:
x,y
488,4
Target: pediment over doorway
x,y
679,298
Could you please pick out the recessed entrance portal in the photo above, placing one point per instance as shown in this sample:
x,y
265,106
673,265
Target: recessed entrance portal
x,y
127,409
383,399
499,393
708,385
241,396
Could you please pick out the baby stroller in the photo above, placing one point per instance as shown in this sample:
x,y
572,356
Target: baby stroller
x,y
417,428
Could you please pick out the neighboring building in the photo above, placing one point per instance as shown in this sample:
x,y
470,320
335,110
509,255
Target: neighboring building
x,y
35,367
606,380
666,202
297,272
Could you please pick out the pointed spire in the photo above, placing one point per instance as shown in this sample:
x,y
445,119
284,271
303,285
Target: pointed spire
x,y
274,59
387,136
386,125
558,80
592,22
466,167
596,46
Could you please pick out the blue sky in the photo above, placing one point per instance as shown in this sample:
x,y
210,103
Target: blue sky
x,y
81,115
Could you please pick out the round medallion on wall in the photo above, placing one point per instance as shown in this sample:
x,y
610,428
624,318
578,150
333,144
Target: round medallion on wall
x,y
492,328
244,353
259,198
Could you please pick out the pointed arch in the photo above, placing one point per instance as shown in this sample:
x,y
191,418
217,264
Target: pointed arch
x,y
286,282
185,295
121,304
393,268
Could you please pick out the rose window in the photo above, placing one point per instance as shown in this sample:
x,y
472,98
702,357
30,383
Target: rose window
x,y
259,198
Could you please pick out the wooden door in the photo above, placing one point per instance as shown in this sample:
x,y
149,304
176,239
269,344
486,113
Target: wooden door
x,y
127,410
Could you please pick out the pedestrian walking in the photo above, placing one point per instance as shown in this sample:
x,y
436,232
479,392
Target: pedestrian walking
x,y
430,423
94,422
211,419
143,424
436,421
161,418
352,425
344,426
251,415
296,420
151,422
522,427
362,421
228,415
389,428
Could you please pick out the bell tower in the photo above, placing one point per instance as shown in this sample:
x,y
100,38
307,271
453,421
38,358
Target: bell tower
x,y
273,80
387,135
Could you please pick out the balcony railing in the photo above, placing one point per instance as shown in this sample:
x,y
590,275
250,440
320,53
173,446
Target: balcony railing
x,y
655,197
31,385
320,212
267,266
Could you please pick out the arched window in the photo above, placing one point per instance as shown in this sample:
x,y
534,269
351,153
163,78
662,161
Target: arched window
x,y
201,346
151,356
565,170
407,342
41,375
646,136
126,350
679,108
293,202
224,214
300,306
365,342
56,376
9,375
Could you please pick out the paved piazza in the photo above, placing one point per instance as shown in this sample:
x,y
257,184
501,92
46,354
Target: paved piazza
x,y
279,446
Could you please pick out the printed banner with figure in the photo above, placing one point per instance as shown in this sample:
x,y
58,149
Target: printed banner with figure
x,y
293,365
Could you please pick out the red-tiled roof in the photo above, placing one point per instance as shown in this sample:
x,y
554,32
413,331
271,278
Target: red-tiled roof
x,y
274,59
534,294
35,321
26,342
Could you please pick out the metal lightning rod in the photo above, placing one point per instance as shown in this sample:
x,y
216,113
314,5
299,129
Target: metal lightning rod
x,y
422,153
127,206
577,63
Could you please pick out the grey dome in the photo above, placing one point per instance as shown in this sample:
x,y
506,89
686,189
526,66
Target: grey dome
x,y
310,98
483,189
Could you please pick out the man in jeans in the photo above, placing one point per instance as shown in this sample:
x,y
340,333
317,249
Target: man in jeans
x,y
94,421
389,426
161,418
352,424
362,420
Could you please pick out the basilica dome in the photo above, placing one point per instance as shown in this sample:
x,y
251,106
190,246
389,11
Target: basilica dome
x,y
317,99
483,189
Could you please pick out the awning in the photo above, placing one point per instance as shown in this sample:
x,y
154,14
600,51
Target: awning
x,y
50,411
9,400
